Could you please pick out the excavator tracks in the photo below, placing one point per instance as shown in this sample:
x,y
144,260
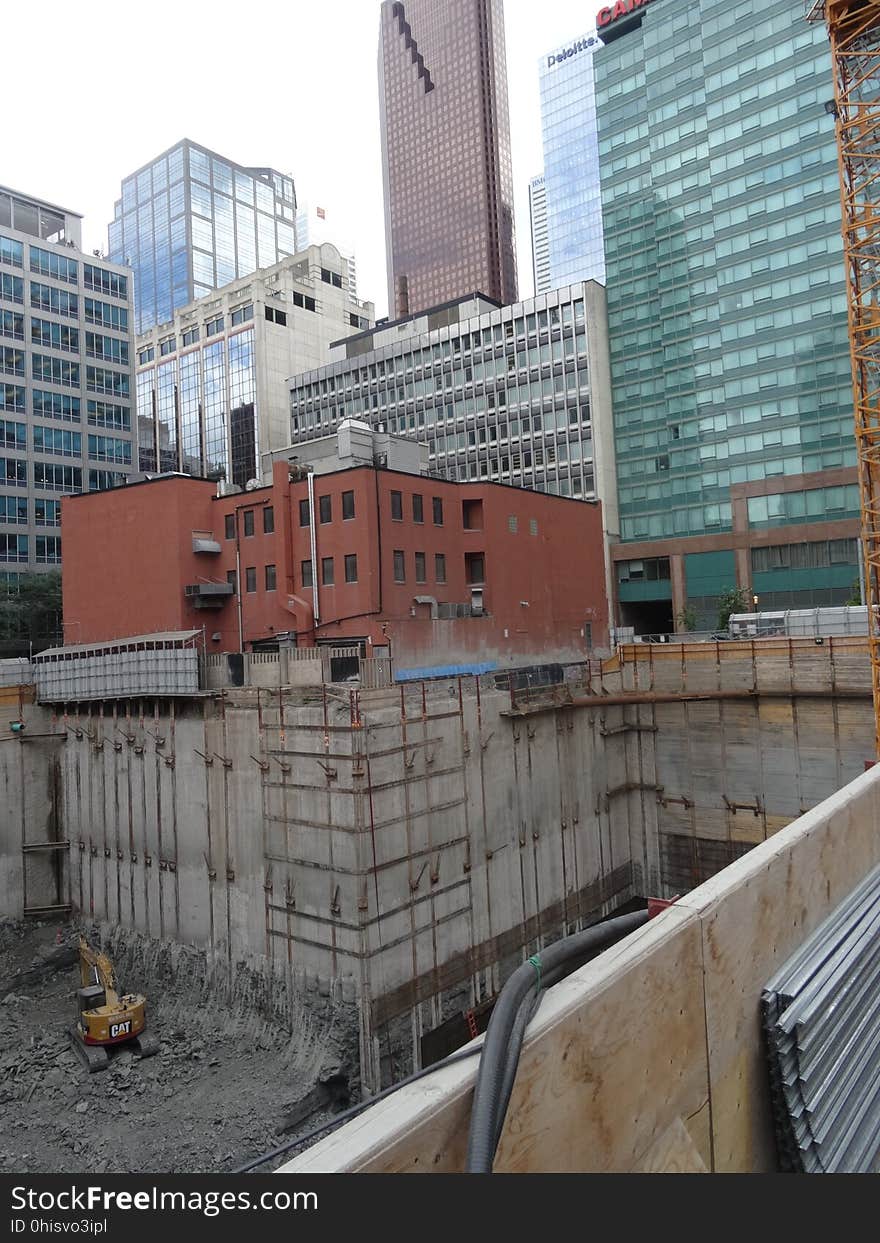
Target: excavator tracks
x,y
93,1057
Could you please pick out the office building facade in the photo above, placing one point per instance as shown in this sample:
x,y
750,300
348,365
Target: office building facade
x,y
540,241
66,377
212,384
727,310
447,172
516,395
191,221
571,164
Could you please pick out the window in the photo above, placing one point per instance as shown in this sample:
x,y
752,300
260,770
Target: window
x,y
305,570
48,549
53,440
13,548
214,326
109,449
273,315
303,300
418,508
397,506
268,520
190,336
420,567
230,526
325,509
437,504
399,567
230,578
103,281
304,513
147,355
168,346
250,578
440,567
241,314
347,505
14,510
51,264
270,577
351,567
248,522
327,579
474,567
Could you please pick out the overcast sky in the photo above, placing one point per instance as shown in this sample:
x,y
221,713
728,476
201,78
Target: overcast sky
x,y
103,87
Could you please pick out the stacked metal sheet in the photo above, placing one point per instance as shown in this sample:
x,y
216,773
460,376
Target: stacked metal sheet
x,y
821,1019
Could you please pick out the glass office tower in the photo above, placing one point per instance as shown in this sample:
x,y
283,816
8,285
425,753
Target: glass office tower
x,y
571,164
191,221
727,310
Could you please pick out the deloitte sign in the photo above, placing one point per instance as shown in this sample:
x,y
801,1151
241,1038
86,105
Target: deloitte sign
x,y
567,52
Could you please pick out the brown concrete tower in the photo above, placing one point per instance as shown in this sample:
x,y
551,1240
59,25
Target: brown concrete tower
x,y
445,152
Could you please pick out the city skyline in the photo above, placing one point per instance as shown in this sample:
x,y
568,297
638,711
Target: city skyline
x,y
335,162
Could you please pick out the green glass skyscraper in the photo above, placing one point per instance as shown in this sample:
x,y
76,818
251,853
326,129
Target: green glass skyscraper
x,y
727,311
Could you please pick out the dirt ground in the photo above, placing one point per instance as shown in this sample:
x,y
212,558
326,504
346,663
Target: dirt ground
x,y
218,1093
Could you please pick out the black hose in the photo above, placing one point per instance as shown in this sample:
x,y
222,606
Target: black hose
x,y
486,1118
524,1016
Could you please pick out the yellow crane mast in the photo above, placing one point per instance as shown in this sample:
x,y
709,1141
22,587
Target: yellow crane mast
x,y
854,32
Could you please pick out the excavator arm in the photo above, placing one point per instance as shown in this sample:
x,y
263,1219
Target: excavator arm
x,y
96,968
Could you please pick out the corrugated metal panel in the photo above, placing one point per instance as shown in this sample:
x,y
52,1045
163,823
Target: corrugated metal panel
x,y
159,664
821,1017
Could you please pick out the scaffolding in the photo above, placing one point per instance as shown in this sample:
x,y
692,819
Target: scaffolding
x,y
854,32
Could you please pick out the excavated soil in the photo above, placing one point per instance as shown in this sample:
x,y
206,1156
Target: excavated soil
x,y
230,1075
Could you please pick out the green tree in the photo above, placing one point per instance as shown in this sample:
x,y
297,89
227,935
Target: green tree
x,y
30,614
686,618
731,600
855,593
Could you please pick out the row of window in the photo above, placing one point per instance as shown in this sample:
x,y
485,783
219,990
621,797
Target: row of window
x,y
55,478
60,267
248,522
14,511
64,443
65,408
47,548
552,322
814,555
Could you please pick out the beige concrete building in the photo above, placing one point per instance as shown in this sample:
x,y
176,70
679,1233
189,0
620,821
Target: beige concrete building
x,y
212,384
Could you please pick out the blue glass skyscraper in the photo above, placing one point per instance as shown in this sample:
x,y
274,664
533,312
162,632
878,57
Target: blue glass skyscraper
x,y
191,221
571,164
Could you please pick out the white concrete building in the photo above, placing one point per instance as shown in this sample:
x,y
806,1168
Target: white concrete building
x,y
212,384
314,226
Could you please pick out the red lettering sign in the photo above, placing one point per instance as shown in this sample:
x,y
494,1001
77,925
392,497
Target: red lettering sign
x,y
621,8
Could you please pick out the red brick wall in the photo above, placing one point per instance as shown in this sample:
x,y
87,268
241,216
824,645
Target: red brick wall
x,y
128,556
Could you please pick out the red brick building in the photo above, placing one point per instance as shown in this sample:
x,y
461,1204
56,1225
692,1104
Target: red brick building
x,y
440,573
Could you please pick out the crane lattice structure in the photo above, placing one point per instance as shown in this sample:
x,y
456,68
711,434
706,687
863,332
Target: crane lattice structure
x,y
854,31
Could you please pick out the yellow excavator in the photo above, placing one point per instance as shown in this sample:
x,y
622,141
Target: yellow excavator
x,y
105,1018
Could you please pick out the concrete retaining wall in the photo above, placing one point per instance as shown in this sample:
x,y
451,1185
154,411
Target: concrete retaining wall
x,y
649,1058
406,847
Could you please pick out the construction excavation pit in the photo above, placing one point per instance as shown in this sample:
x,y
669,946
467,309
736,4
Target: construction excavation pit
x,y
229,1080
303,895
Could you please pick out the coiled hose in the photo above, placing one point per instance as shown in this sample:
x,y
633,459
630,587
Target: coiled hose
x,y
504,1036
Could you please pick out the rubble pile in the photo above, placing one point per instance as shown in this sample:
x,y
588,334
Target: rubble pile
x,y
221,1090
